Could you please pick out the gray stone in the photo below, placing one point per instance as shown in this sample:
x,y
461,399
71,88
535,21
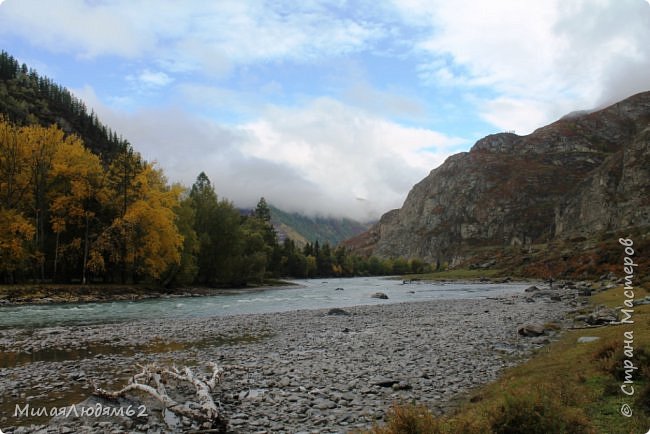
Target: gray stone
x,y
324,404
337,311
237,422
383,381
402,385
410,343
602,315
380,295
531,330
587,339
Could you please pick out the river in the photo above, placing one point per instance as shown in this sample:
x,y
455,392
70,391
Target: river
x,y
303,294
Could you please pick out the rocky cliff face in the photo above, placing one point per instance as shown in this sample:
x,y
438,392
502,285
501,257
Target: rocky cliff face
x,y
584,174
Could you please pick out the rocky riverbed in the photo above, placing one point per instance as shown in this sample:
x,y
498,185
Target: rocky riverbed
x,y
302,371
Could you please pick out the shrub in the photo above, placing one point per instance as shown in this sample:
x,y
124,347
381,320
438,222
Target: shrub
x,y
409,419
643,400
539,412
417,419
611,357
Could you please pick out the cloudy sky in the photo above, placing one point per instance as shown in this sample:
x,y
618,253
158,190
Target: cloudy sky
x,y
329,107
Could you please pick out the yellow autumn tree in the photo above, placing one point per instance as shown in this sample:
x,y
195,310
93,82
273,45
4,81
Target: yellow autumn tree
x,y
157,244
77,194
16,231
41,144
15,182
144,239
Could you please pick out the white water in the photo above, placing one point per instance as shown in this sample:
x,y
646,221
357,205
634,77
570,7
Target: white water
x,y
308,294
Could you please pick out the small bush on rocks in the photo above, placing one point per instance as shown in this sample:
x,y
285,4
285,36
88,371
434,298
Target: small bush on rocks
x,y
539,412
417,419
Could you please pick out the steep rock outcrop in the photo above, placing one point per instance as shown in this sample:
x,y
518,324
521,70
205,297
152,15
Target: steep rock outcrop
x,y
615,196
581,175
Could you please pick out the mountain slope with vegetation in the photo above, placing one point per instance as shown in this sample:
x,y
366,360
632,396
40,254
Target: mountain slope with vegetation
x,y
526,201
78,204
303,229
26,98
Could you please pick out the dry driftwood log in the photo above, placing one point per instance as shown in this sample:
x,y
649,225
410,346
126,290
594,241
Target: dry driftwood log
x,y
154,381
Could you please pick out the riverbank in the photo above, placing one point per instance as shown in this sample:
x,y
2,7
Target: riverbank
x,y
592,380
291,371
50,293
15,295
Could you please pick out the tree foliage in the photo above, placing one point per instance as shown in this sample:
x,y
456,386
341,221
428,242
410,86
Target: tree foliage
x,y
64,215
27,98
79,204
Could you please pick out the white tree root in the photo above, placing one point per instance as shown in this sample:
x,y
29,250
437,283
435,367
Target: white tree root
x,y
153,381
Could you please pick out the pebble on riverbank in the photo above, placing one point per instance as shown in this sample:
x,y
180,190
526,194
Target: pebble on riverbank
x,y
311,371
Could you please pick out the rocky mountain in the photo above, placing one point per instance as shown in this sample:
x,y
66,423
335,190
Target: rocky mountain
x,y
583,175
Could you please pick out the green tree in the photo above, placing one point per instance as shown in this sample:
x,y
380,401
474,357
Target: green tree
x,y
206,208
400,266
228,244
186,272
262,211
324,260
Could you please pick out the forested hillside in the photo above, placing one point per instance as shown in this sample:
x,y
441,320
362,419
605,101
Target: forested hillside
x,y
79,204
27,98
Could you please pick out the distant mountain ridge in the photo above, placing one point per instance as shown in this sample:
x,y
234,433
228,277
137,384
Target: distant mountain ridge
x,y
583,175
303,229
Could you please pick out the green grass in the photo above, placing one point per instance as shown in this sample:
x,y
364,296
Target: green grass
x,y
456,274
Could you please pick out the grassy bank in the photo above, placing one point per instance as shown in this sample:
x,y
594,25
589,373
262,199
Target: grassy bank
x,y
455,274
566,387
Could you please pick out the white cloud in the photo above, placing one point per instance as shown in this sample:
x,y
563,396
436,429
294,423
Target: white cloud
x,y
74,25
384,103
151,79
537,59
516,114
189,35
520,64
321,158
350,153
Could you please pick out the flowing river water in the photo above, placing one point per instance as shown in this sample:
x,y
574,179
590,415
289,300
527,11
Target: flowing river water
x,y
303,294
27,322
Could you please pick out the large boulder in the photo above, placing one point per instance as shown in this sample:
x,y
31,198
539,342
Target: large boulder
x,y
531,330
602,315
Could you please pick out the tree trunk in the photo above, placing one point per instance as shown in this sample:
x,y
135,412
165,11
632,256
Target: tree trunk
x,y
85,261
56,256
